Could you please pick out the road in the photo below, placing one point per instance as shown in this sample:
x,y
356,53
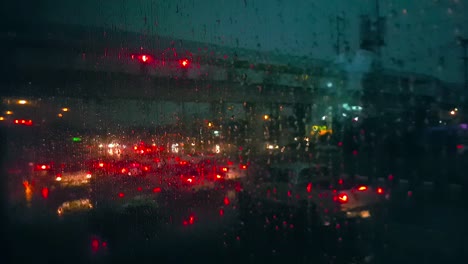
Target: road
x,y
411,230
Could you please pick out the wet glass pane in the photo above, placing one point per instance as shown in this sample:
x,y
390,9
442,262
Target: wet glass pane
x,y
240,131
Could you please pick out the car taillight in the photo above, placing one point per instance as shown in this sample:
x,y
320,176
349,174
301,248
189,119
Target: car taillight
x,y
58,178
342,198
42,167
218,176
88,175
146,168
380,190
225,169
101,165
189,180
362,188
243,167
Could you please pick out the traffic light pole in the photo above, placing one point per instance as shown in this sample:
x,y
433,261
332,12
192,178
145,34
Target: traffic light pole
x,y
464,43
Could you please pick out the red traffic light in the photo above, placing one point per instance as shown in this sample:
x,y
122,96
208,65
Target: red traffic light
x,y
184,63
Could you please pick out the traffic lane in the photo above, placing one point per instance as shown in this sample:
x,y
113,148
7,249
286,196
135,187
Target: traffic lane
x,y
234,235
401,241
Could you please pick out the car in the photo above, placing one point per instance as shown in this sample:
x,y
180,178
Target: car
x,y
74,206
334,198
230,170
129,168
72,175
195,178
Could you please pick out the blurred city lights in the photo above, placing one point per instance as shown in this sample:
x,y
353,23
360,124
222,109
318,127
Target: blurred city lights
x,y
9,112
22,102
65,109
266,117
60,115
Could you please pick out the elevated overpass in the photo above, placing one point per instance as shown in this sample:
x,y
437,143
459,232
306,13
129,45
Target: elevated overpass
x,y
77,62
104,65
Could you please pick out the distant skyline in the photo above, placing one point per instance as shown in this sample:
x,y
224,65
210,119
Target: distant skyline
x,y
420,34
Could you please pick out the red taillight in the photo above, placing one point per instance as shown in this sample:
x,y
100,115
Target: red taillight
x,y
139,189
380,190
95,244
45,192
124,170
309,187
144,58
243,167
218,176
340,181
189,180
157,190
459,146
191,219
226,201
42,167
23,122
343,198
225,169
121,195
101,165
362,188
146,168
184,63
183,162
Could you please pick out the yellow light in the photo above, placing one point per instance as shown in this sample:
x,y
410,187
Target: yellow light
x,y
209,124
9,112
22,102
60,115
2,118
266,117
65,109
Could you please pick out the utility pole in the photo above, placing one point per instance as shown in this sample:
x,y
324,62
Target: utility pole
x,y
340,22
464,43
